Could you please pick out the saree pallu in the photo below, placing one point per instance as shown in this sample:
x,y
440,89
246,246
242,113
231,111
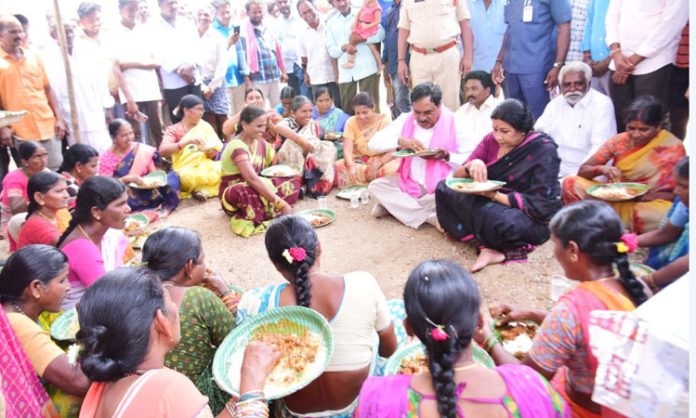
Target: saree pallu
x,y
332,121
361,171
662,255
196,171
318,166
139,161
249,211
531,175
588,297
651,164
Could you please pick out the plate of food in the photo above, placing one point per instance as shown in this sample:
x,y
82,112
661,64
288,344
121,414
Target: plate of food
x,y
411,358
153,180
333,136
404,153
348,192
137,241
10,117
301,335
318,217
640,270
516,336
618,192
281,170
65,327
135,222
471,186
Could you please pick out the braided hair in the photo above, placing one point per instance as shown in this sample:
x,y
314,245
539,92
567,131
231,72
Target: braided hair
x,y
292,231
96,191
442,293
40,183
596,229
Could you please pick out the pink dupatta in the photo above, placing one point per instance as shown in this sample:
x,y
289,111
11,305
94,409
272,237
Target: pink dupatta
x,y
444,137
143,160
253,49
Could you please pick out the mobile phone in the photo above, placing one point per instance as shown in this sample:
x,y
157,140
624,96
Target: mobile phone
x,y
236,29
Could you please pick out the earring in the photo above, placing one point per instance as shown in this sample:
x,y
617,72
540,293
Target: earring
x,y
37,296
573,258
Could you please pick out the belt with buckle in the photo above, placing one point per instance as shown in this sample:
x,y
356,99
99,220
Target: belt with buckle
x,y
439,49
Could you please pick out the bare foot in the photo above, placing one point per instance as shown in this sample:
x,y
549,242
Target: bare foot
x,y
486,258
348,65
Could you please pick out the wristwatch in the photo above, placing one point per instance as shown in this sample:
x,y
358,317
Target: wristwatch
x,y
558,64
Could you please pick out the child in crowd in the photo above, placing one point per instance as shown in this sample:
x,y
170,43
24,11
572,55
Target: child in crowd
x,y
366,24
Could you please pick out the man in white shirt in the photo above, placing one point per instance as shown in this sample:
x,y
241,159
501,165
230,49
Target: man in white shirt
x,y
580,119
178,53
135,68
409,196
311,47
289,27
643,37
474,117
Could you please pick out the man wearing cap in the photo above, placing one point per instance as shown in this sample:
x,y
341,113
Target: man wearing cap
x,y
432,28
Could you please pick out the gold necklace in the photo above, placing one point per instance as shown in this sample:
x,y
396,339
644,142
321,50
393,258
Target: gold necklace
x,y
85,234
46,217
465,367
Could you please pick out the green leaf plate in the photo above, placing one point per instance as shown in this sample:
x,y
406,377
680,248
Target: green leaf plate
x,y
311,215
405,153
627,191
350,191
153,180
65,327
470,186
281,170
394,362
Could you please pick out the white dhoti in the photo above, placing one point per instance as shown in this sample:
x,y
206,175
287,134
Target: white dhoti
x,y
410,211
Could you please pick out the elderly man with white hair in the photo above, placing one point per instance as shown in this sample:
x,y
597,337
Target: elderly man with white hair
x,y
580,119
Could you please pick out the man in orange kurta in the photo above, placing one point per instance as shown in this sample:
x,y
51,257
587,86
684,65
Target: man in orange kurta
x,y
24,86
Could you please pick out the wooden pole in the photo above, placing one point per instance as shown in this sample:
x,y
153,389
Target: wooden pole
x,y
74,124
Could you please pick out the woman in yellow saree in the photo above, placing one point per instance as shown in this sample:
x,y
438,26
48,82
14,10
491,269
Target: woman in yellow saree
x,y
193,147
645,154
360,165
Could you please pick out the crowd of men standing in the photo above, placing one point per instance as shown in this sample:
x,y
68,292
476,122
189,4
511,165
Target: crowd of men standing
x,y
612,50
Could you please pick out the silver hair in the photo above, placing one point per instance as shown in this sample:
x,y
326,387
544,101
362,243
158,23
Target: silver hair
x,y
298,102
575,67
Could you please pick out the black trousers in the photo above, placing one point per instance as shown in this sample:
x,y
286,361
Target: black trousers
x,y
173,97
654,84
678,105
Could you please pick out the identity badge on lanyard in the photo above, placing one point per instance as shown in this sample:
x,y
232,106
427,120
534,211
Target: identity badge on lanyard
x,y
527,11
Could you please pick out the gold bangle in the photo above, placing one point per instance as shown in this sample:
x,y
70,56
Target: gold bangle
x,y
280,204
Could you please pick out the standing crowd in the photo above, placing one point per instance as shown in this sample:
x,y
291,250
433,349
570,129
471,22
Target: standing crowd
x,y
551,98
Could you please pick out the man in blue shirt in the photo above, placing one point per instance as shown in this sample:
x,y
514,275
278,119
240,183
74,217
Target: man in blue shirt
x,y
488,26
594,45
533,51
390,58
237,76
364,75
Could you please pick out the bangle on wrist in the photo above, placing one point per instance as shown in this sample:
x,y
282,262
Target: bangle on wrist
x,y
402,59
489,342
253,394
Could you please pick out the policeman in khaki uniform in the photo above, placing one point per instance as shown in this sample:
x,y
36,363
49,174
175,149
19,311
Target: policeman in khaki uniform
x,y
431,29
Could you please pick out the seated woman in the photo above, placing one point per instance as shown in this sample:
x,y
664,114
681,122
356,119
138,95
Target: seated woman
x,y
34,280
591,245
646,153
287,93
250,200
47,215
193,146
505,225
353,302
128,324
316,157
253,96
80,162
360,165
669,244
329,118
129,161
442,308
93,242
176,257
14,198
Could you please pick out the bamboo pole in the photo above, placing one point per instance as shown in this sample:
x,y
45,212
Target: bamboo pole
x,y
74,124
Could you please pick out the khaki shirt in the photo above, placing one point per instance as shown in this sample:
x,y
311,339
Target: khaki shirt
x,y
432,23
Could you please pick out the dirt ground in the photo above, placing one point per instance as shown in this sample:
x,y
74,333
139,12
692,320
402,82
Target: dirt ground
x,y
357,241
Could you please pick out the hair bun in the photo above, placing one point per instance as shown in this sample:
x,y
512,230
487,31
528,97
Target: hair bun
x,y
96,365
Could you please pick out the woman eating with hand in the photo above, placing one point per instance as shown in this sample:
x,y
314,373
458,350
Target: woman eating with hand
x,y
306,150
193,147
47,214
442,308
592,247
175,255
93,242
360,165
352,302
329,118
250,200
505,225
129,162
128,325
646,153
80,162
34,280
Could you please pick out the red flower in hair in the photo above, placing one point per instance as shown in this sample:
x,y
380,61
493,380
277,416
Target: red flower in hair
x,y
439,334
631,241
297,253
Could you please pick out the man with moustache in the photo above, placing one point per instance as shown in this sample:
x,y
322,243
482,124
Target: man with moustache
x,y
22,67
410,195
580,119
473,118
